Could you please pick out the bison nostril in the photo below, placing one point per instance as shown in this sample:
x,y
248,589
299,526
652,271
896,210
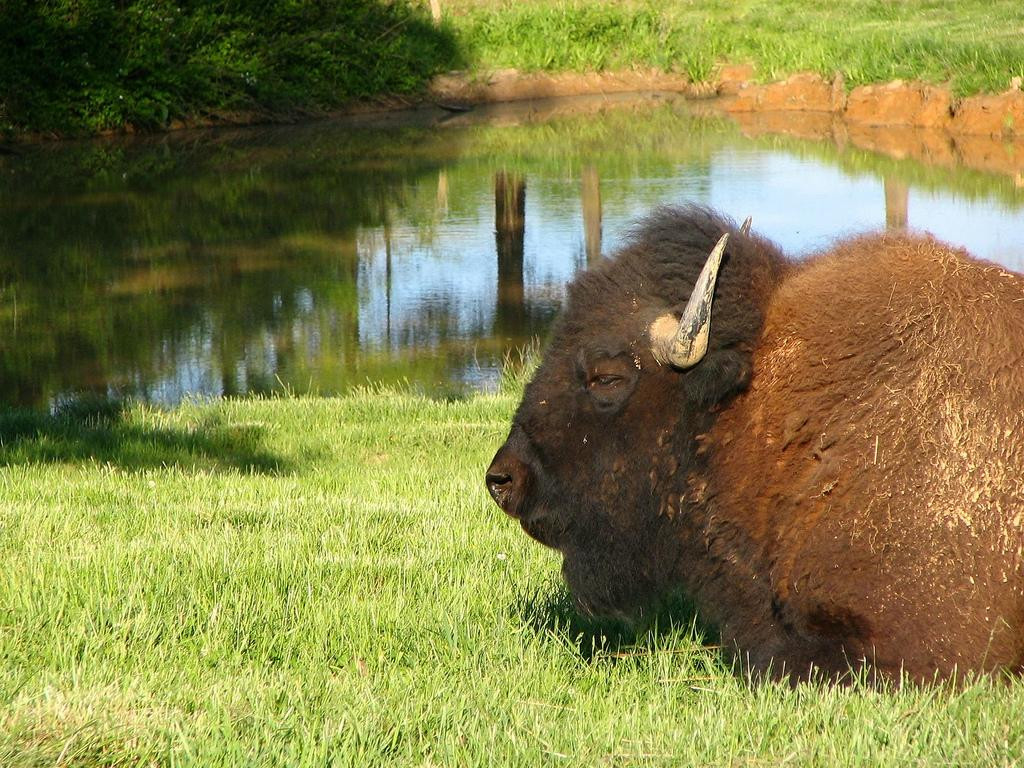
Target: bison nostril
x,y
500,486
507,481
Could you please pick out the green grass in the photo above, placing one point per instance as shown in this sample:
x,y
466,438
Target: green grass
x,y
324,582
978,45
88,66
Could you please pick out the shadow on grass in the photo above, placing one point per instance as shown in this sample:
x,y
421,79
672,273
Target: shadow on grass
x,y
97,430
551,613
65,72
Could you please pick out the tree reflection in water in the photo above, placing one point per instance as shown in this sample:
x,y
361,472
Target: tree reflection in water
x,y
509,233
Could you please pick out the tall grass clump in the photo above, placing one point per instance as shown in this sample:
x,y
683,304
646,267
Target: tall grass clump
x,y
574,36
977,47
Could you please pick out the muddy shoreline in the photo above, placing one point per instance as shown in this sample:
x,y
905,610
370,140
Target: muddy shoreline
x,y
887,104
897,119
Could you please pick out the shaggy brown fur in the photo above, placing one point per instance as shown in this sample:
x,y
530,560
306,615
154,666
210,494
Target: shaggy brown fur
x,y
839,482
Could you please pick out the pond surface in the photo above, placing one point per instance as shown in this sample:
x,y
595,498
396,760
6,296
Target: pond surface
x,y
423,248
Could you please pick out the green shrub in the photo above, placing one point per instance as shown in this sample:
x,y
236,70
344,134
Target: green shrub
x,y
74,66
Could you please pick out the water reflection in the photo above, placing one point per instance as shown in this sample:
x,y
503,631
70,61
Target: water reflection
x,y
591,196
319,257
510,313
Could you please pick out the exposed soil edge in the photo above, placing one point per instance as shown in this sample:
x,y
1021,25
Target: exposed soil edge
x,y
455,91
887,104
895,104
898,119
459,88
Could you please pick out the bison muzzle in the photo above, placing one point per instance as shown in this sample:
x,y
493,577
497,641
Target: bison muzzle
x,y
826,457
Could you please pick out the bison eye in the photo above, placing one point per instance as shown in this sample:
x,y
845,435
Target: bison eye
x,y
605,380
609,382
606,376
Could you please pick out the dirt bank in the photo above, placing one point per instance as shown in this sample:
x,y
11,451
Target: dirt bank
x,y
890,104
898,119
512,85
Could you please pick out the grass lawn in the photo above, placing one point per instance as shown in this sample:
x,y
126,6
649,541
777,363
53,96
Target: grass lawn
x,y
324,582
978,45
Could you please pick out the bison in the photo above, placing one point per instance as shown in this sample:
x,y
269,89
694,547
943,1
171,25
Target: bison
x,y
829,466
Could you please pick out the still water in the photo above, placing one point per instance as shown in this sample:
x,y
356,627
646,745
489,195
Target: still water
x,y
423,247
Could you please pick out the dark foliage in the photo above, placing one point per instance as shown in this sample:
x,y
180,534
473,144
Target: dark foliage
x,y
74,66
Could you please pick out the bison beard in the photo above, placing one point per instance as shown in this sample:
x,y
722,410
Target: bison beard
x,y
826,458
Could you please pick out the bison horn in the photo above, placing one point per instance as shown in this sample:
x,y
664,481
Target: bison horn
x,y
745,226
684,344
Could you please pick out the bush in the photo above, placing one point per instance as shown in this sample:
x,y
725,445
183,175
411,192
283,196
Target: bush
x,y
81,66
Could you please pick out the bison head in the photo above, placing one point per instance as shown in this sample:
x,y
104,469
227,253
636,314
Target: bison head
x,y
603,461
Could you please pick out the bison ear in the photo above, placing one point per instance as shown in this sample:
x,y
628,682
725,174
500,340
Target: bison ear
x,y
722,374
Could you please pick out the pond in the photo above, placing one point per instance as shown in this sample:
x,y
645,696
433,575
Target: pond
x,y
425,247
